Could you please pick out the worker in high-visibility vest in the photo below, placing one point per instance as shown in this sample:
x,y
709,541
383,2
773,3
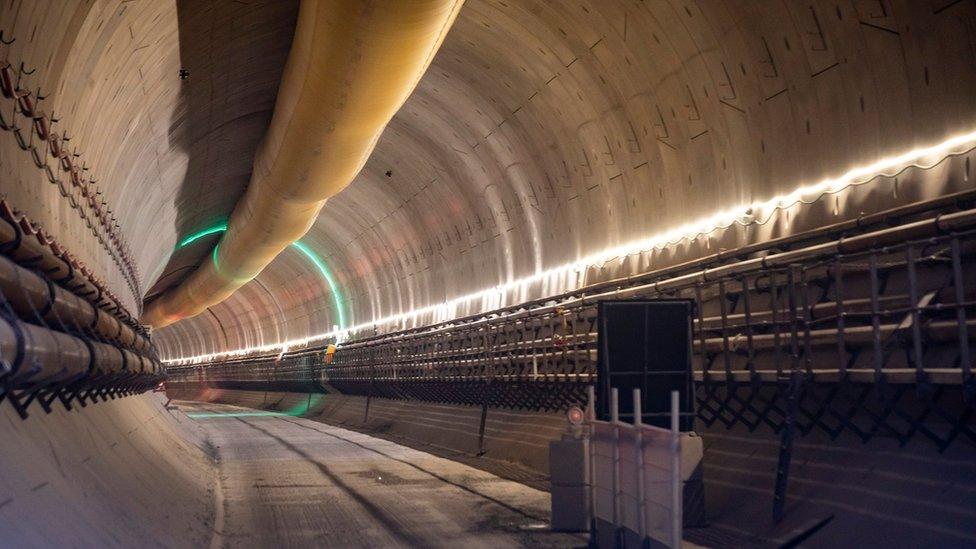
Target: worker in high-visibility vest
x,y
329,352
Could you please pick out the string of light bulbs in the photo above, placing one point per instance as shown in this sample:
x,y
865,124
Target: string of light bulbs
x,y
744,214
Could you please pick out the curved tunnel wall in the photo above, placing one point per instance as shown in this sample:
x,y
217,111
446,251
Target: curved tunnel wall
x,y
165,153
544,132
123,472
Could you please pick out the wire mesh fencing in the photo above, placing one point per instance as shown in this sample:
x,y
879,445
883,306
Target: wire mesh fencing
x,y
875,342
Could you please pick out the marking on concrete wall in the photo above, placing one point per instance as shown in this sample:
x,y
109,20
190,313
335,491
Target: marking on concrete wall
x,y
820,43
769,61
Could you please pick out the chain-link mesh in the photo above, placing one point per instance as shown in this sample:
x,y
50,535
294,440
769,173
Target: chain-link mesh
x,y
874,343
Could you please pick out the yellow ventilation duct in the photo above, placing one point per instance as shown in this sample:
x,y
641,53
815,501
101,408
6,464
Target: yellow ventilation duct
x,y
352,65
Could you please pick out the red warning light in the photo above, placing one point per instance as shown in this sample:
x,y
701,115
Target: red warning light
x,y
575,415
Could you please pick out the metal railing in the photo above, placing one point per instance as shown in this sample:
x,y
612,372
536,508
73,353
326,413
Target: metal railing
x,y
868,335
865,336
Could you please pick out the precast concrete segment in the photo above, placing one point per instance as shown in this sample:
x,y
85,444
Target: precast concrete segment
x,y
351,67
292,482
168,153
89,205
122,473
543,133
546,132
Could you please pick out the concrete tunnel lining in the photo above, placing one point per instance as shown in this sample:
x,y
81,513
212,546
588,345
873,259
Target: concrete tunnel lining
x,y
542,133
487,136
481,191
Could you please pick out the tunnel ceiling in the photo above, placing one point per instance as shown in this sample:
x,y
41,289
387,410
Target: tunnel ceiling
x,y
542,131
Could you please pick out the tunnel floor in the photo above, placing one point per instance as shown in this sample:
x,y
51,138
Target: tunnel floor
x,y
287,481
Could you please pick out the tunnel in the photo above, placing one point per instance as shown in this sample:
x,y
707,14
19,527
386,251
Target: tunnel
x,y
394,273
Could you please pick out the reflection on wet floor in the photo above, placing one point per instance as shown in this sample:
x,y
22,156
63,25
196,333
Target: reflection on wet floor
x,y
287,481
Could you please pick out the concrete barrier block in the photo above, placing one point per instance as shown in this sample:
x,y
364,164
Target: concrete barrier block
x,y
570,508
568,462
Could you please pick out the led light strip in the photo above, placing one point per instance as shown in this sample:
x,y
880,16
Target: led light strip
x,y
333,287
745,214
299,245
213,229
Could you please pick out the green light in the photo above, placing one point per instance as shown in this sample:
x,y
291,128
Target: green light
x,y
317,261
298,410
214,415
302,408
309,253
218,228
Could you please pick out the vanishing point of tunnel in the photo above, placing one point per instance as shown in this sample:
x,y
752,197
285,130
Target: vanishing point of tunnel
x,y
487,273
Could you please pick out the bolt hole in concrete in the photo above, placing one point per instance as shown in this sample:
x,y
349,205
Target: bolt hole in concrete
x,y
291,482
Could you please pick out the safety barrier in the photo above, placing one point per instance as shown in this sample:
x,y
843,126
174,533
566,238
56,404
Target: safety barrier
x,y
636,494
867,333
